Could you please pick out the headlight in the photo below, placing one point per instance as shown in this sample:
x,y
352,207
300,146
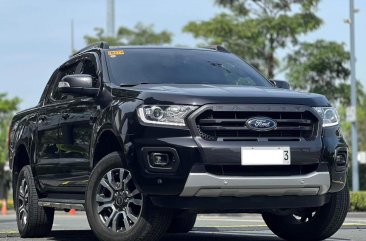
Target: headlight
x,y
329,115
172,115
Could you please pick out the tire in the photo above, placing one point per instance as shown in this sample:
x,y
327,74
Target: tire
x,y
33,221
183,222
118,211
316,224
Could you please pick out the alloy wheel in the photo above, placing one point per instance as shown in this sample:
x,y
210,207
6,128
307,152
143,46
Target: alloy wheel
x,y
119,203
305,216
23,202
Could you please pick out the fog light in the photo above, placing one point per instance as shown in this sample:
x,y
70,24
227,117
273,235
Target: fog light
x,y
158,159
341,160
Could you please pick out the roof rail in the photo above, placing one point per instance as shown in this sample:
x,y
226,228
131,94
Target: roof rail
x,y
217,48
98,45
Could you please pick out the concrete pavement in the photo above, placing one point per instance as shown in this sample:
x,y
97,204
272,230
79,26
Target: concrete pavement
x,y
235,227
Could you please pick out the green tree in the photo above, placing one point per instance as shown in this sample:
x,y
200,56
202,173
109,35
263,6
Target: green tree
x,y
361,122
7,108
321,67
100,36
255,29
140,35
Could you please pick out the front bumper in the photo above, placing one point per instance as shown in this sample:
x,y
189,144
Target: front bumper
x,y
256,204
193,150
208,185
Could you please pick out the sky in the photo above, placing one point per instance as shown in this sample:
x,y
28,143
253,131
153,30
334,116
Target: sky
x,y
35,35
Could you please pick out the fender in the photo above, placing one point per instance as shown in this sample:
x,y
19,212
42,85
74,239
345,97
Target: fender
x,y
95,141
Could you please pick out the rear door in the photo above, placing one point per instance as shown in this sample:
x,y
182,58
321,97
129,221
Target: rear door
x,y
48,134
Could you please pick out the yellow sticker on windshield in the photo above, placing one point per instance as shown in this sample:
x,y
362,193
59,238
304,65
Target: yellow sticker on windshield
x,y
115,53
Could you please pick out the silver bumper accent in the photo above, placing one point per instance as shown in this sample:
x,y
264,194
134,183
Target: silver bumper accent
x,y
208,185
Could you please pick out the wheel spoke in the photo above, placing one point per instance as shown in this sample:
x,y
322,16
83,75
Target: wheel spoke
x,y
304,217
21,194
125,221
135,201
23,215
101,198
111,217
22,187
111,181
109,177
121,175
131,216
21,209
104,206
114,222
135,192
21,197
126,180
107,186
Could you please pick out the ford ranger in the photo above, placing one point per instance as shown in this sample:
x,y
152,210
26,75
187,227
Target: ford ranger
x,y
145,138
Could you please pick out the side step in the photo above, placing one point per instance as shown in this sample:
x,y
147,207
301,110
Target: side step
x,y
62,204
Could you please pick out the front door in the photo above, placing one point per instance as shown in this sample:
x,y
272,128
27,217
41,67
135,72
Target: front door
x,y
76,128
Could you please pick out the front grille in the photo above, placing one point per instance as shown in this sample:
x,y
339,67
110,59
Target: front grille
x,y
235,170
229,125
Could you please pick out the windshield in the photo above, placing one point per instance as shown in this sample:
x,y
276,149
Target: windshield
x,y
133,66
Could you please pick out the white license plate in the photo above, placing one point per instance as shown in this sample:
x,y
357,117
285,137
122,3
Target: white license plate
x,y
260,156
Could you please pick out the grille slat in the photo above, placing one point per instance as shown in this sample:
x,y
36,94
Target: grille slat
x,y
231,125
219,121
224,128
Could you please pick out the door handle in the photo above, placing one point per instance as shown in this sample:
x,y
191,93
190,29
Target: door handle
x,y
65,116
42,117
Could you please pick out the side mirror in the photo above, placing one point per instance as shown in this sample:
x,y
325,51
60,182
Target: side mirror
x,y
281,84
78,84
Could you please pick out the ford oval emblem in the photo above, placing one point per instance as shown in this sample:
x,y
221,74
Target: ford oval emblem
x,y
261,124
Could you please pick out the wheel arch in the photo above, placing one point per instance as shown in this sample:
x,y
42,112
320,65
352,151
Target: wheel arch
x,y
106,142
21,159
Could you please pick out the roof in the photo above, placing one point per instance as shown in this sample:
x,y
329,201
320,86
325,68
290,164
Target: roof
x,y
209,48
105,46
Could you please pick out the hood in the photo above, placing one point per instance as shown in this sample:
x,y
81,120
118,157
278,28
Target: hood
x,y
218,94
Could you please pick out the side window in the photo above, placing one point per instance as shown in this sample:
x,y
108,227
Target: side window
x,y
86,65
89,67
68,70
48,89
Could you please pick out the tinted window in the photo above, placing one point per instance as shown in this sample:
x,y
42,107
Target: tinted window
x,y
69,70
48,89
84,66
181,66
89,68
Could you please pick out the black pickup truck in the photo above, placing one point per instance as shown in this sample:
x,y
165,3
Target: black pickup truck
x,y
145,138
